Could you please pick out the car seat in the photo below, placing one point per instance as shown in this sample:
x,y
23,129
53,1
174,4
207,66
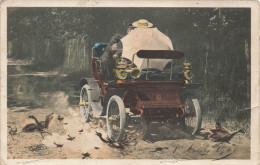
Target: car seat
x,y
99,49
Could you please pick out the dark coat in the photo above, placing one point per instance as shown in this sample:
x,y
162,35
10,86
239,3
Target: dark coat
x,y
107,61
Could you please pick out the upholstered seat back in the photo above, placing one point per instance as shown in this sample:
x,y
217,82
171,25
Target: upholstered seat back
x,y
99,49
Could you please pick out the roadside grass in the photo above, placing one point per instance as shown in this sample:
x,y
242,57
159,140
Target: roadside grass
x,y
223,110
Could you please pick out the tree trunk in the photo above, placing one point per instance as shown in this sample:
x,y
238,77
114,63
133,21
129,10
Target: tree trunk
x,y
206,70
247,69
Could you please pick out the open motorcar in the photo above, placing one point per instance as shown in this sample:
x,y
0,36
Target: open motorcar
x,y
145,85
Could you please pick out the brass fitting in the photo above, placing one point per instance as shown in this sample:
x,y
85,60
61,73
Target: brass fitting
x,y
120,64
187,71
123,69
115,57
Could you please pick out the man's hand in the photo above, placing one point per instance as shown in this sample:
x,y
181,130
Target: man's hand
x,y
114,47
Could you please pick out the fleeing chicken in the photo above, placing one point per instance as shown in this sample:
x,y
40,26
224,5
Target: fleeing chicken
x,y
218,128
222,135
58,145
119,145
85,155
30,127
46,122
48,119
108,140
80,130
12,132
34,126
60,118
71,138
159,149
42,124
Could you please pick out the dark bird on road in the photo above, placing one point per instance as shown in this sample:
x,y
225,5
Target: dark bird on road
x,y
32,127
108,140
119,145
222,135
70,138
85,155
159,149
42,124
80,130
218,128
58,145
60,118
48,119
12,132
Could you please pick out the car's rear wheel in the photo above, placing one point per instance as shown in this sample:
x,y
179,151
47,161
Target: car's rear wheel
x,y
116,118
192,121
85,103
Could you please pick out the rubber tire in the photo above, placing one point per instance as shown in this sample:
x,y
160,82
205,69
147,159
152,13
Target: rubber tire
x,y
196,105
85,113
122,114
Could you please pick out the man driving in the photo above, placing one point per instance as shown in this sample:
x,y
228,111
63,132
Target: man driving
x,y
107,61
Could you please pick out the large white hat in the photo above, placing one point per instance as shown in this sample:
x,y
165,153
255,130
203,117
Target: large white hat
x,y
142,23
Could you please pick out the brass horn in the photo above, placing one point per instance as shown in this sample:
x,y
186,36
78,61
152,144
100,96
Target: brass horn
x,y
120,73
135,73
123,69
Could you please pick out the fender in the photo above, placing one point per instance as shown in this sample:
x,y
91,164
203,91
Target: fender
x,y
94,88
95,94
109,94
83,82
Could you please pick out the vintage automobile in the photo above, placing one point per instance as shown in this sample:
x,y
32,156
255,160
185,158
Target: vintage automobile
x,y
142,91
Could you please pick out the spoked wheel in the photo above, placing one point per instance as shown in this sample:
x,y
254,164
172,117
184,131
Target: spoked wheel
x,y
192,121
116,118
85,104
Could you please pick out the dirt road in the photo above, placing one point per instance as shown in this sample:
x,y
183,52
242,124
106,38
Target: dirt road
x,y
166,141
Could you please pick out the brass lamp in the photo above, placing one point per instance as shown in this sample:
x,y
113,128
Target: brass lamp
x,y
187,72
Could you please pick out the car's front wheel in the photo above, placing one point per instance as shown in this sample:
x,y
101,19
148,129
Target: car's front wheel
x,y
116,118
